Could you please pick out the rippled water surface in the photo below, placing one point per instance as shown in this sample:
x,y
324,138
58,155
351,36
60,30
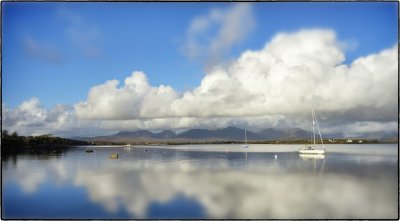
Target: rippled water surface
x,y
203,181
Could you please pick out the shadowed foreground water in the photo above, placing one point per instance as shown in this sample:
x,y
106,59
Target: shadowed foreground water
x,y
204,181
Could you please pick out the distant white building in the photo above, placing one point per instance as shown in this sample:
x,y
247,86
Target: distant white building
x,y
349,140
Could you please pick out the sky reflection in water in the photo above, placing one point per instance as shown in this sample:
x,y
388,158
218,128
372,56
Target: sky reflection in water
x,y
351,181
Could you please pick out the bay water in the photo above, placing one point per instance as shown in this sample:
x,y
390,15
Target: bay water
x,y
264,181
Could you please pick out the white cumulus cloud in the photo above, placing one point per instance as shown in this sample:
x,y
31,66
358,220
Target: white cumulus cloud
x,y
135,99
274,86
289,75
31,118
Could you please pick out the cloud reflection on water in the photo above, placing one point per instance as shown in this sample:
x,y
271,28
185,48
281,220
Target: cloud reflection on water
x,y
31,175
251,193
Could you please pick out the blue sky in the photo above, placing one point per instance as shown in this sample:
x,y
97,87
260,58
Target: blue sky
x,y
58,51
91,68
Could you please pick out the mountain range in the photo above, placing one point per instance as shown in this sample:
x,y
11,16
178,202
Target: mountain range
x,y
227,134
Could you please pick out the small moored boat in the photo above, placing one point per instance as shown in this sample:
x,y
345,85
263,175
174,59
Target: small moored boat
x,y
313,149
114,156
245,145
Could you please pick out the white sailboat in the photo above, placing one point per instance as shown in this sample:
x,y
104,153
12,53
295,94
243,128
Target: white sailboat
x,y
313,149
245,145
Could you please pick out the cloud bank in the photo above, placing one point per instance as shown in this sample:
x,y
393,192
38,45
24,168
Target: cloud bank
x,y
274,86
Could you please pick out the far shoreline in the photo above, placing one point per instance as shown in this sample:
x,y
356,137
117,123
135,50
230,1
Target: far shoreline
x,y
171,143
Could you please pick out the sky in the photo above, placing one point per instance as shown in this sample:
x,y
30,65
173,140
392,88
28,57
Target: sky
x,y
83,68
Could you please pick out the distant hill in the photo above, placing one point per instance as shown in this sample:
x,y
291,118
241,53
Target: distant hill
x,y
166,134
134,134
378,135
227,134
271,134
297,133
144,134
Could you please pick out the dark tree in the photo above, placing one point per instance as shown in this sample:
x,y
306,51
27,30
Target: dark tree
x,y
4,134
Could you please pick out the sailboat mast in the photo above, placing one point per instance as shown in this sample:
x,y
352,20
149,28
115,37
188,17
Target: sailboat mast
x,y
313,125
320,136
245,135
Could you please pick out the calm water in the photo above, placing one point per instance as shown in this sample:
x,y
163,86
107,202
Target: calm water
x,y
203,181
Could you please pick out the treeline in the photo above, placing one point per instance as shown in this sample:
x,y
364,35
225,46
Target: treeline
x,y
13,142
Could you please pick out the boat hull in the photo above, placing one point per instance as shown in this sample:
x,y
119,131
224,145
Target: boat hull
x,y
312,156
314,151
